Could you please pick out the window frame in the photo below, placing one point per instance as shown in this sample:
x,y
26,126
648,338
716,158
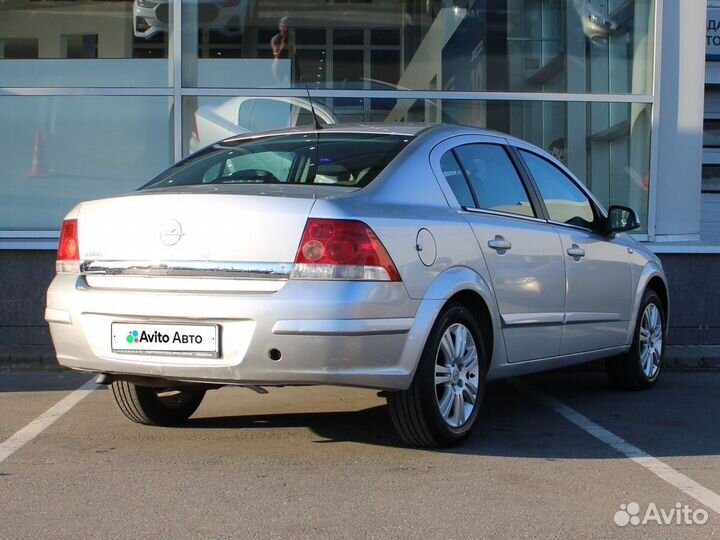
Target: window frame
x,y
452,153
597,208
529,191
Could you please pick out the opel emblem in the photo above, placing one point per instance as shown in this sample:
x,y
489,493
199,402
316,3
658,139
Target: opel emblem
x,y
171,232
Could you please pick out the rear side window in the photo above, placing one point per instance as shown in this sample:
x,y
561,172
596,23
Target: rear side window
x,y
494,179
328,158
565,202
455,177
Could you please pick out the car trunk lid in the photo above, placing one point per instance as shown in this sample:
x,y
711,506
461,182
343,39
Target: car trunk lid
x,y
227,235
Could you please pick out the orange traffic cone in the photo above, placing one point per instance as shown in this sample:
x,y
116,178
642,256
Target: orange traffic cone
x,y
38,168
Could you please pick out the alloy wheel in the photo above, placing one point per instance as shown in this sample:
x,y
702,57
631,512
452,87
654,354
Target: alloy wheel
x,y
456,375
651,340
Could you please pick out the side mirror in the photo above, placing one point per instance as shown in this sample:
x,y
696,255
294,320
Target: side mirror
x,y
621,219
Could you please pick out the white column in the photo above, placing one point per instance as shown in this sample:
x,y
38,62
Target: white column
x,y
678,122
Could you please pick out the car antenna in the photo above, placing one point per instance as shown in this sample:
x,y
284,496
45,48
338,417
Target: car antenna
x,y
318,126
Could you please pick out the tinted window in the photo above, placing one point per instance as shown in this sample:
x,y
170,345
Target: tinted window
x,y
276,163
565,202
340,159
494,179
456,179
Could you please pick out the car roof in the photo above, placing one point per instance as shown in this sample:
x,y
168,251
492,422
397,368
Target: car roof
x,y
405,128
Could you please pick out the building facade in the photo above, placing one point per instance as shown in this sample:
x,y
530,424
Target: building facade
x,y
97,96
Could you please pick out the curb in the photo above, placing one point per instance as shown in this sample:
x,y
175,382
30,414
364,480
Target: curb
x,y
29,359
702,363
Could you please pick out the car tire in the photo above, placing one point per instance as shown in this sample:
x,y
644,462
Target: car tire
x,y
640,367
452,367
156,406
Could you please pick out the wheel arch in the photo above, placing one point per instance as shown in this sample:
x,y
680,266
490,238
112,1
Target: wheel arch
x,y
657,284
478,307
651,277
456,284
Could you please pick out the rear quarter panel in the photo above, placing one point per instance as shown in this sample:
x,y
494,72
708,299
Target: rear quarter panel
x,y
404,199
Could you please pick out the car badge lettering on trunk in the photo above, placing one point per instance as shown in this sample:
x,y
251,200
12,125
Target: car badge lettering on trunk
x,y
171,232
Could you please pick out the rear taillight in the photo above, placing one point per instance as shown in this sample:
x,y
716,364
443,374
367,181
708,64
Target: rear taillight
x,y
335,249
68,255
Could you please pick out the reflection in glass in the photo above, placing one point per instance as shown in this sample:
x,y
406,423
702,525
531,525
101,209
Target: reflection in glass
x,y
214,119
580,46
711,178
607,145
328,158
71,37
61,152
711,133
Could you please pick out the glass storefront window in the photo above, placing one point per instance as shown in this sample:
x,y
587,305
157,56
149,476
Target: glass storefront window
x,y
578,46
75,43
607,145
64,150
710,178
348,50
711,133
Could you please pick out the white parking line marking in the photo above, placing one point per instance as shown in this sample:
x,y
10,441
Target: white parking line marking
x,y
675,478
45,420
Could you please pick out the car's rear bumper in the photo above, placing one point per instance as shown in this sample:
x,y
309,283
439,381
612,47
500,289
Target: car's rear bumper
x,y
345,333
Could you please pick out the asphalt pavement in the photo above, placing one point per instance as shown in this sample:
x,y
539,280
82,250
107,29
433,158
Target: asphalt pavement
x,y
325,463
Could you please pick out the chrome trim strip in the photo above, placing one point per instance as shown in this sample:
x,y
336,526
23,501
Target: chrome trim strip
x,y
219,269
471,210
174,284
525,319
574,227
343,327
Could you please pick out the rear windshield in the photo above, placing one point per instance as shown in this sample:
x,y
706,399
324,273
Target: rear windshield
x,y
333,159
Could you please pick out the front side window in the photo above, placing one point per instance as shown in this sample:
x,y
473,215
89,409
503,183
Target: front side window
x,y
494,179
564,201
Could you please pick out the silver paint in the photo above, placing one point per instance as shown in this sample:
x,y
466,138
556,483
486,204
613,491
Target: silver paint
x,y
547,307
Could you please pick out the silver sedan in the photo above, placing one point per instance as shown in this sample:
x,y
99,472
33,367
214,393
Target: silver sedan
x,y
422,261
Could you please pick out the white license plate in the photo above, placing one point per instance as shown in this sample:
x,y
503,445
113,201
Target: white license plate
x,y
166,339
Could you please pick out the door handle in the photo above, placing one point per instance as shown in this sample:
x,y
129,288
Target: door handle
x,y
576,252
499,244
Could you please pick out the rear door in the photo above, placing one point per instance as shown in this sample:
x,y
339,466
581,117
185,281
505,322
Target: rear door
x,y
523,253
599,278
